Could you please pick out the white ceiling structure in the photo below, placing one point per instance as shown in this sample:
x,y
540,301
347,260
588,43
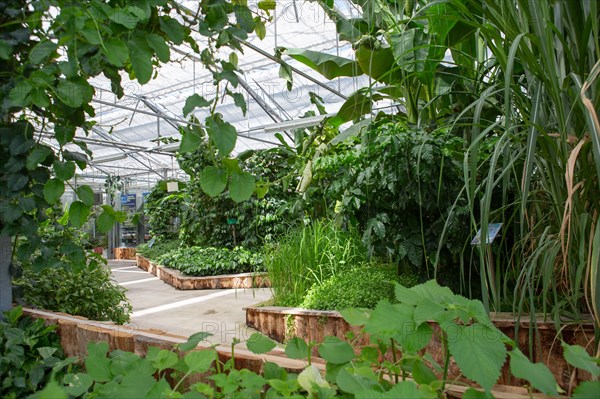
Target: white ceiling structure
x,y
122,142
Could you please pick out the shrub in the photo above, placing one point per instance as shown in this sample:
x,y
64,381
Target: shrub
x,y
88,292
29,350
310,256
158,248
163,210
359,287
198,261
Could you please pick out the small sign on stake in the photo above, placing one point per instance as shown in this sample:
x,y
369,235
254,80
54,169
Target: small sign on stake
x,y
492,231
172,186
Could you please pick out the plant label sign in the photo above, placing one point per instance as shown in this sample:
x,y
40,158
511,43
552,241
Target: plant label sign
x,y
492,231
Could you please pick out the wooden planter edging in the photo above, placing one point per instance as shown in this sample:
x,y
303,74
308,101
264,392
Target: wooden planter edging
x,y
124,253
182,282
281,323
76,332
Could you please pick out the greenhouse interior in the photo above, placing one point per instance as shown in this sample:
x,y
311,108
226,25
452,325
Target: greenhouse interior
x,y
300,199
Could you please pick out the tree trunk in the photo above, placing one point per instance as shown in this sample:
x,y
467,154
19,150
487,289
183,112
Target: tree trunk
x,y
5,278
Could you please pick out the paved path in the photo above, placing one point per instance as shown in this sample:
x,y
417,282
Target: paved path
x,y
157,305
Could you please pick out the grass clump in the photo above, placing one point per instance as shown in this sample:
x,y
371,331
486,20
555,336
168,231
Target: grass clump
x,y
309,256
359,287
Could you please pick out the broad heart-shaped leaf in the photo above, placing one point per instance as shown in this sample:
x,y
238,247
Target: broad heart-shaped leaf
x,y
359,380
194,340
328,65
64,170
141,59
161,359
213,180
223,134
105,221
123,17
136,384
259,344
174,30
336,351
37,156
78,213
42,50
578,357
53,190
538,374
358,104
194,101
478,351
587,390
97,364
77,384
86,195
311,378
200,361
192,138
296,348
64,134
116,51
241,186
356,317
158,44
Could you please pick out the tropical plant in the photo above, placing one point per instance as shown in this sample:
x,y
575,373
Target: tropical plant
x,y
210,261
308,256
162,209
154,249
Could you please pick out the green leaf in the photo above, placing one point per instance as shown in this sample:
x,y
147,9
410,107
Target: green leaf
x,y
356,317
587,390
336,351
158,44
194,101
241,186
19,96
407,389
259,344
141,59
105,221
478,351
576,356
240,101
97,364
70,93
5,50
78,213
358,104
116,51
328,65
260,29
77,384
53,190
213,180
267,5
538,374
192,138
194,340
296,348
50,391
274,371
200,361
64,134
356,382
64,170
120,216
41,51
86,195
123,17
161,358
174,30
223,134
37,156
473,393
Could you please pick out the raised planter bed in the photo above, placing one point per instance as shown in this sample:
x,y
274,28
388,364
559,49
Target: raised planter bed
x,y
182,282
280,323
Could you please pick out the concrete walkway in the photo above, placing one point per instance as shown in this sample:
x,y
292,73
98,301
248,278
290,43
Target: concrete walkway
x,y
157,305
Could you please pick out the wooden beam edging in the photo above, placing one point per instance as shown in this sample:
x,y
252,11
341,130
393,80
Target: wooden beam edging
x,y
226,281
76,332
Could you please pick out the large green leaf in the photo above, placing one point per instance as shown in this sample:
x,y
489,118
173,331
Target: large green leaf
x,y
410,49
174,30
41,51
123,17
328,65
78,213
259,344
358,104
213,180
86,195
296,348
223,134
53,190
106,221
158,44
336,351
116,51
355,316
97,364
200,361
141,59
64,134
538,374
64,170
78,384
478,351
192,138
37,156
578,357
70,93
194,340
587,390
194,101
241,186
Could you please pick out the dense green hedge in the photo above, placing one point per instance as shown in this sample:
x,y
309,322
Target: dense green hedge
x,y
198,261
359,287
155,250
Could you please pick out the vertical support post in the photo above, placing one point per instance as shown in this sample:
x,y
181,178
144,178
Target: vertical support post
x,y
5,278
